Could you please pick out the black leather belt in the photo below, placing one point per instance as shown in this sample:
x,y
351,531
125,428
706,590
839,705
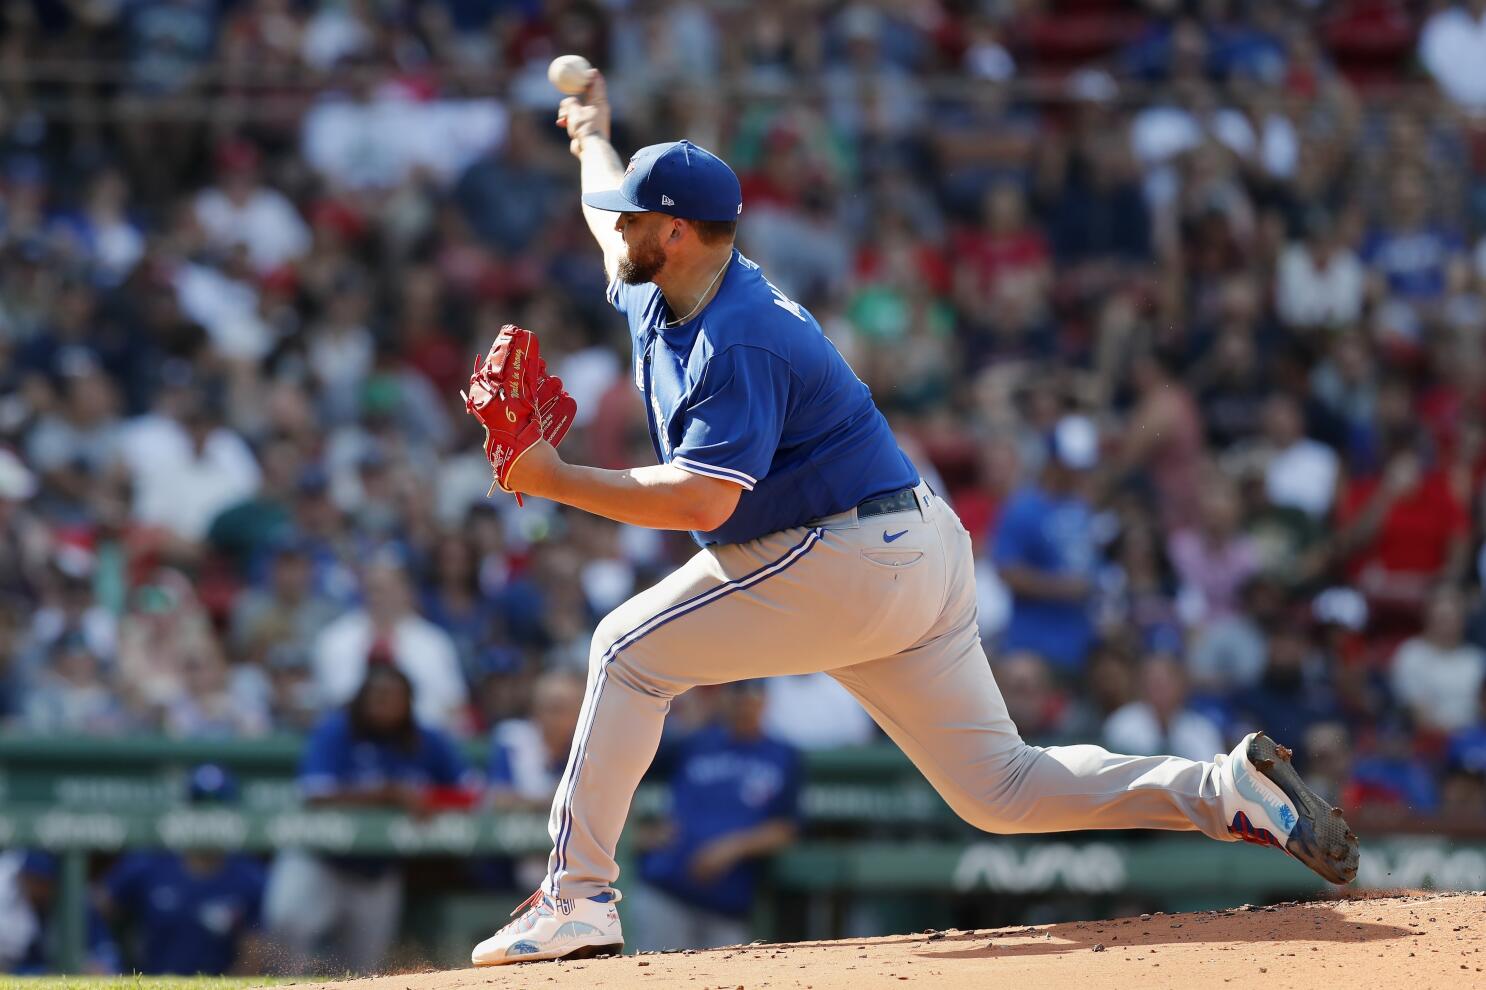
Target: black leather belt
x,y
882,504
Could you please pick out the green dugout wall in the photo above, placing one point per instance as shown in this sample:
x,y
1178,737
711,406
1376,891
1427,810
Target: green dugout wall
x,y
875,829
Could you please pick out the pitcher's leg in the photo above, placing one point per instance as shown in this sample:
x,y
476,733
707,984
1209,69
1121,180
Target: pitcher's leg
x,y
940,704
1066,788
939,701
768,607
625,706
618,732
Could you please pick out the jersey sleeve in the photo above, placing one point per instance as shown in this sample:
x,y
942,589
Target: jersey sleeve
x,y
735,416
320,768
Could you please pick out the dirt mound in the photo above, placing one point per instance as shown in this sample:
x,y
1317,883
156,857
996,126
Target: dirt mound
x,y
1412,940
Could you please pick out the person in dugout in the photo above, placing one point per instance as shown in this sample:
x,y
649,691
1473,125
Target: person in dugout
x,y
30,919
188,912
735,799
373,753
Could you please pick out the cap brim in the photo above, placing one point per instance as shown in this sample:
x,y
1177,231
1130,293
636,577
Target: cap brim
x,y
611,201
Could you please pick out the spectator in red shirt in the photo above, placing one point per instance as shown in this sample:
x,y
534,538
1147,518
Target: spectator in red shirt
x,y
1401,532
1003,248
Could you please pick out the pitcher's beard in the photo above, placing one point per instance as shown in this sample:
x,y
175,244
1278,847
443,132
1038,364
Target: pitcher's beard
x,y
643,262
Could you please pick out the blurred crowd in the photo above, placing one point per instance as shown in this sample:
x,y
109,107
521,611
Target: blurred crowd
x,y
1180,302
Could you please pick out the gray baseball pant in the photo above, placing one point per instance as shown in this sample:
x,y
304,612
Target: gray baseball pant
x,y
894,622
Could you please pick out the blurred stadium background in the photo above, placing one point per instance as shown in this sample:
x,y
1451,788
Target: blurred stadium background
x,y
247,248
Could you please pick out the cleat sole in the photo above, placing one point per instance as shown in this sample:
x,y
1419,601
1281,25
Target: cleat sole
x,y
1320,839
577,952
595,951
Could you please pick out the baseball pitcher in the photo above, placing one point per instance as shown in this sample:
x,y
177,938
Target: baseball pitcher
x,y
821,550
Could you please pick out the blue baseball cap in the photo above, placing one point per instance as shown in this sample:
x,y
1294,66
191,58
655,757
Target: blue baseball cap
x,y
42,865
676,178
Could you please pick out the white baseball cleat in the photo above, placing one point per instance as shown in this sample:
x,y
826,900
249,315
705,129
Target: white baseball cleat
x,y
1265,802
551,928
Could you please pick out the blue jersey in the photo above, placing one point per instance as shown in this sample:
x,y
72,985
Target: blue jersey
x,y
336,760
1414,263
721,785
187,923
751,391
1052,534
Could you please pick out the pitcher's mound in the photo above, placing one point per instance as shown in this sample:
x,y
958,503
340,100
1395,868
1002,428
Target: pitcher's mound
x,y
1412,941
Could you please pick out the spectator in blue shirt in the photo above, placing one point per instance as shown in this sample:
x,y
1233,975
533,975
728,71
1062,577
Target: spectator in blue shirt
x,y
735,798
1414,261
1045,554
189,913
1411,254
341,911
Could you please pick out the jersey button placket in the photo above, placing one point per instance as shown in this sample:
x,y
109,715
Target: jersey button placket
x,y
653,417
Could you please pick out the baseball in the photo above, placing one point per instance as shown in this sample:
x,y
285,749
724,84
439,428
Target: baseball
x,y
569,73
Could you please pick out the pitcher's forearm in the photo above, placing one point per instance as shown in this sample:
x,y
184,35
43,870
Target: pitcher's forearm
x,y
600,169
656,496
659,496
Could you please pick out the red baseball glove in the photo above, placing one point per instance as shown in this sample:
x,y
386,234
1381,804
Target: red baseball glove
x,y
516,401
554,405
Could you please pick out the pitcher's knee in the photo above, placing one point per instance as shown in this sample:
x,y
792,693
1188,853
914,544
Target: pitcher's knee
x,y
980,812
619,654
995,802
611,630
994,820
